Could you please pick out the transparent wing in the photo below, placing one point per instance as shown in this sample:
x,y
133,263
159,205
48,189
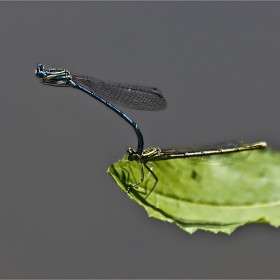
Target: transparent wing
x,y
220,159
222,154
131,96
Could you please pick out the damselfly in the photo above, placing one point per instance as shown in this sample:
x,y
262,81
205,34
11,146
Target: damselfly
x,y
227,154
132,96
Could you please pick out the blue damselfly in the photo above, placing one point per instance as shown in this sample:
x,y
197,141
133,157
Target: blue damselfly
x,y
132,96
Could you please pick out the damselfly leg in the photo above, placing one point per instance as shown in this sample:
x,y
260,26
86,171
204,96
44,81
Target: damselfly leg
x,y
150,170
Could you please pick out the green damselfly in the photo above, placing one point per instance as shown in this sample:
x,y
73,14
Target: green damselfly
x,y
227,154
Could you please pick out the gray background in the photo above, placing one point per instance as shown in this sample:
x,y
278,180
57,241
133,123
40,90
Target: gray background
x,y
61,214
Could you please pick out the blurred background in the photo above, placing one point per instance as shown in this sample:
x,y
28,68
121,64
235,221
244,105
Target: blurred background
x,y
61,214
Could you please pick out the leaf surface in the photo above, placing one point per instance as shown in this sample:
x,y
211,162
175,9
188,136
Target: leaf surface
x,y
212,198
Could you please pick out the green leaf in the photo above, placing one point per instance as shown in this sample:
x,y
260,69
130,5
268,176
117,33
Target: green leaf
x,y
212,198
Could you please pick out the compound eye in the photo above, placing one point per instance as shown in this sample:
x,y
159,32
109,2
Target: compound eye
x,y
40,71
40,67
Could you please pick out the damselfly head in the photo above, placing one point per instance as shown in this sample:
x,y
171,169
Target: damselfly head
x,y
132,155
40,71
